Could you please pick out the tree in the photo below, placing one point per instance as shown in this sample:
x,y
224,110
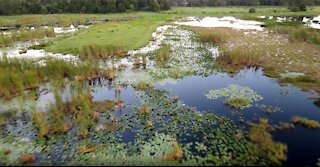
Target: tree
x,y
154,5
297,5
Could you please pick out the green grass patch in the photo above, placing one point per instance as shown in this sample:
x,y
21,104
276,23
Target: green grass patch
x,y
126,35
305,35
299,79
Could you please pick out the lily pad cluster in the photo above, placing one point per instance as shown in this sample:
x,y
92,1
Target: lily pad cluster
x,y
236,92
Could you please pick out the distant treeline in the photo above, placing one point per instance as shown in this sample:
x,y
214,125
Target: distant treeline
x,y
192,3
11,7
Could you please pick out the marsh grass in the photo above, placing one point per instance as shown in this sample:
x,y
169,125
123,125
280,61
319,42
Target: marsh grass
x,y
104,105
25,35
85,115
259,135
238,102
237,59
40,46
57,121
16,75
305,122
94,52
41,122
215,36
145,109
271,72
305,35
299,79
162,54
142,85
79,111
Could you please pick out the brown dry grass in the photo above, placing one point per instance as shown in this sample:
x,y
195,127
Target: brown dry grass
x,y
271,50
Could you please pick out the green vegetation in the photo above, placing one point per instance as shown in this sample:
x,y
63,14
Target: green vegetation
x,y
162,54
238,58
162,129
145,109
79,6
25,35
64,20
216,37
17,75
238,102
94,52
275,151
124,35
305,122
238,96
305,35
298,79
142,85
298,5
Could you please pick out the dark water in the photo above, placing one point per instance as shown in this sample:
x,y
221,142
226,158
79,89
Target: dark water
x,y
303,144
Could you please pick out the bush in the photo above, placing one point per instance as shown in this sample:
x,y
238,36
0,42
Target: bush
x,y
252,10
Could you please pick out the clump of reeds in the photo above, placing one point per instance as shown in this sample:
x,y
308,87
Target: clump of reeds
x,y
274,151
142,85
94,52
305,122
213,36
162,54
145,109
16,75
237,59
239,102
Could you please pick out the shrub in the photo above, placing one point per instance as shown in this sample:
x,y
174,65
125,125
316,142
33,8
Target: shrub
x,y
252,10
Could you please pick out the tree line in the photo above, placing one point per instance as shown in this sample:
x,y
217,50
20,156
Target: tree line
x,y
10,7
241,2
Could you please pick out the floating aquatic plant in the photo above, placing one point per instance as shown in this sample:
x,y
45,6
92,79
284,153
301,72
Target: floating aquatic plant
x,y
238,102
238,95
268,109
